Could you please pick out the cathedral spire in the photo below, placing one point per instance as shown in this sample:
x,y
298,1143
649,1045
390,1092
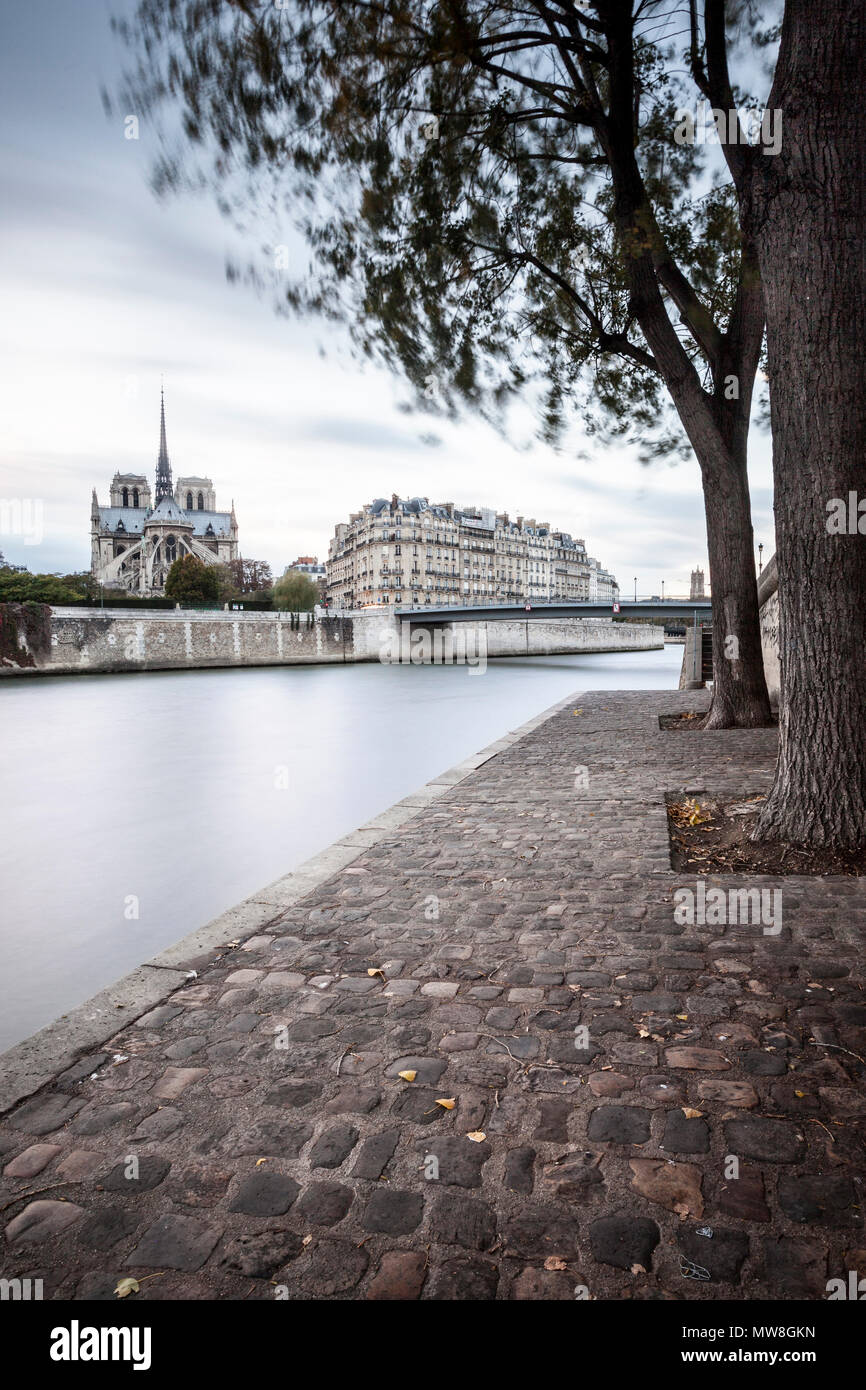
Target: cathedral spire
x,y
163,467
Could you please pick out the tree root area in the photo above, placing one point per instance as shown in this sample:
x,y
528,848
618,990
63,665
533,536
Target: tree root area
x,y
709,836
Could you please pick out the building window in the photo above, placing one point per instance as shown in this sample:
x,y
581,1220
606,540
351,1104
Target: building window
x,y
189,501
135,496
126,497
200,502
171,549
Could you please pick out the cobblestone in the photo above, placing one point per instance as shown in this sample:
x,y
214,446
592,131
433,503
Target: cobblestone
x,y
615,1083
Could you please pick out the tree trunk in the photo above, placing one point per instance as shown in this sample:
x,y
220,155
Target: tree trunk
x,y
807,206
740,696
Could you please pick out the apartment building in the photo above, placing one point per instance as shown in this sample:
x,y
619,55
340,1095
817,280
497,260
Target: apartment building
x,y
416,552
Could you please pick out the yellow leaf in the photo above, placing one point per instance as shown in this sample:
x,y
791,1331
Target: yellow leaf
x,y
554,1262
125,1287
407,1075
682,1016
800,1094
447,1104
691,1114
260,1161
376,972
477,1136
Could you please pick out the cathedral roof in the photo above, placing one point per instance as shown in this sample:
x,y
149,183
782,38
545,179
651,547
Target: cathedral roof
x,y
167,509
135,518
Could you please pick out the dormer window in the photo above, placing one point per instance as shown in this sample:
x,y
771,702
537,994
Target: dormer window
x,y
120,526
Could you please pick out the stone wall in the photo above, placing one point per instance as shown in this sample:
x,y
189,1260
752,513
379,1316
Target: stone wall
x,y
768,599
131,639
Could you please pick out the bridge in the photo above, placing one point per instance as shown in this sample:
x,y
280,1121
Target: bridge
x,y
682,610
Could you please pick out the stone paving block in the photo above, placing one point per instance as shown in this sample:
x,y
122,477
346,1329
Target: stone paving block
x,y
178,1242
31,1161
41,1220
265,1194
400,1277
45,1114
394,1213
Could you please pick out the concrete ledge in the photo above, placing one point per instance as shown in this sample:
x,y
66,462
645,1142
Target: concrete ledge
x,y
37,1060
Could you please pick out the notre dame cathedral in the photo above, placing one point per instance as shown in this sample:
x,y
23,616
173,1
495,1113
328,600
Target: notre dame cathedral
x,y
135,543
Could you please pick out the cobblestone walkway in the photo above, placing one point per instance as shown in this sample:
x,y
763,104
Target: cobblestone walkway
x,y
279,1153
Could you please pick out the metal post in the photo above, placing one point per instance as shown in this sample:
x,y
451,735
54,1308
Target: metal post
x,y
698,654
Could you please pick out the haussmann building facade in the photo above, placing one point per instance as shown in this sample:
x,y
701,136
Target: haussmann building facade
x,y
415,552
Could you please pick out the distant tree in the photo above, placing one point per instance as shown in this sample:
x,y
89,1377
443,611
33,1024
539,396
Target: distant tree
x,y
190,580
83,584
295,592
241,576
19,586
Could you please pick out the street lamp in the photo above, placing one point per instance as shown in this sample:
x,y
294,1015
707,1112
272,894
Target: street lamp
x,y
663,591
635,588
760,556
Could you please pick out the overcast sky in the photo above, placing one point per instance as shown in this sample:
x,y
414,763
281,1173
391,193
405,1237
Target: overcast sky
x,y
104,290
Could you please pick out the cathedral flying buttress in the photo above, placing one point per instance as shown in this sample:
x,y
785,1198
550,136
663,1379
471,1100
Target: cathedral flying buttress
x,y
136,539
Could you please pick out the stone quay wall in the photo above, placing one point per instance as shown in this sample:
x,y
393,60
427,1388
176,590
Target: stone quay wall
x,y
768,599
96,640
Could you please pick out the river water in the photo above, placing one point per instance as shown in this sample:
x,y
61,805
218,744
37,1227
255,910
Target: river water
x,y
175,794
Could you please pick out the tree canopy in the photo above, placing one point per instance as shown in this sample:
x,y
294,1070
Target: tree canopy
x,y
190,580
481,185
295,592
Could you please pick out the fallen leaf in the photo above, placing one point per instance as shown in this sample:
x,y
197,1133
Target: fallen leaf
x,y
407,1075
691,1114
376,972
447,1104
260,1161
477,1136
638,1269
554,1262
125,1287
